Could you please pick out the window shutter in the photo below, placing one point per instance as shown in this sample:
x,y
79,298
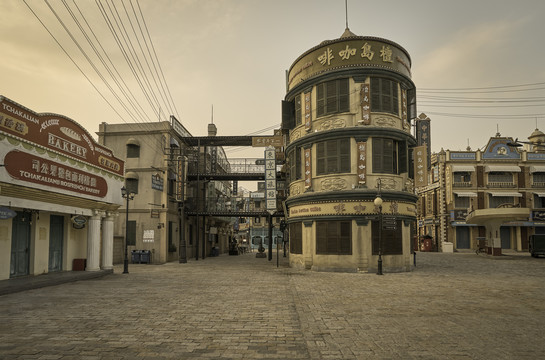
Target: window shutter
x,y
402,157
288,120
375,94
320,99
344,103
321,237
395,98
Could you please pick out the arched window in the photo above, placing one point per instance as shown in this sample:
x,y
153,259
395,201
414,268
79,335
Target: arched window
x,y
133,148
131,181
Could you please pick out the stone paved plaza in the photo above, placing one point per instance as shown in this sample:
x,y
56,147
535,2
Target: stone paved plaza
x,y
453,306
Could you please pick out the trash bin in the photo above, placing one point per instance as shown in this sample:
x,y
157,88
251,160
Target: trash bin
x,y
136,256
145,256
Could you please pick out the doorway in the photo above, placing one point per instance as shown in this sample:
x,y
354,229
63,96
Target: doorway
x,y
20,244
56,236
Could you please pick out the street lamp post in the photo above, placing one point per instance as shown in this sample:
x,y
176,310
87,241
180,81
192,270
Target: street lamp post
x,y
129,196
378,204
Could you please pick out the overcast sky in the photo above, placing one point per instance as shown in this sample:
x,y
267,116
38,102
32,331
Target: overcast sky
x,y
233,54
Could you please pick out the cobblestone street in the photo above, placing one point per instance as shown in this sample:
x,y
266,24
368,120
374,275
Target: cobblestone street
x,y
452,306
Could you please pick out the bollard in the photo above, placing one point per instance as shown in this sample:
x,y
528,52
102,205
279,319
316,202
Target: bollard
x,y
414,256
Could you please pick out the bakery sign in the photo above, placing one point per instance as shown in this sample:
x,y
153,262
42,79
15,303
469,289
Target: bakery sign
x,y
57,134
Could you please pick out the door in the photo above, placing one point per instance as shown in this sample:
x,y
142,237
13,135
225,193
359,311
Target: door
x,y
462,237
505,236
56,236
20,245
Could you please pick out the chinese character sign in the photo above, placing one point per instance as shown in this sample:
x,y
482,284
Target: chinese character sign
x,y
308,169
365,104
420,166
308,111
362,159
270,178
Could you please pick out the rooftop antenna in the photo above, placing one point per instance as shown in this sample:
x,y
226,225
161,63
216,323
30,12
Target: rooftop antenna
x,y
346,12
498,130
468,147
212,113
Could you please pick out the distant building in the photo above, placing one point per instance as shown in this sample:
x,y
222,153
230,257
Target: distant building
x,y
60,192
157,163
496,195
348,112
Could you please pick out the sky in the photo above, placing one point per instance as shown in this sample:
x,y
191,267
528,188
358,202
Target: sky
x,y
232,55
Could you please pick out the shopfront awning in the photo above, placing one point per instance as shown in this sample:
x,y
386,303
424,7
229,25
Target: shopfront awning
x,y
501,168
540,193
534,169
505,193
463,168
465,193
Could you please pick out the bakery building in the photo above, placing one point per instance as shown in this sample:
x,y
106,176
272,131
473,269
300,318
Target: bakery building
x,y
59,194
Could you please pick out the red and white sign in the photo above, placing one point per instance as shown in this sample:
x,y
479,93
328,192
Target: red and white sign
x,y
37,170
56,133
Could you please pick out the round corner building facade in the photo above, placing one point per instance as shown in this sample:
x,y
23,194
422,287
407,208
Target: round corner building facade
x,y
347,112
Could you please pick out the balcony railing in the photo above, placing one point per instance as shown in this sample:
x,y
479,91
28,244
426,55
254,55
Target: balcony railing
x,y
501,184
463,184
538,184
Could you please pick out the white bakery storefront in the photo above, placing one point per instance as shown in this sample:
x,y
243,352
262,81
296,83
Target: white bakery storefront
x,y
59,193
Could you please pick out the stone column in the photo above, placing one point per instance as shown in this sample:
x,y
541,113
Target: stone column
x,y
108,241
93,242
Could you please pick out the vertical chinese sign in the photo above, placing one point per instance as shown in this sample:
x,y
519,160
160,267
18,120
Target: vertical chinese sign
x,y
365,105
308,108
270,179
404,107
179,179
308,169
420,166
362,158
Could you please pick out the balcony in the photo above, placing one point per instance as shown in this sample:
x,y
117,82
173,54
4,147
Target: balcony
x,y
501,184
537,184
461,184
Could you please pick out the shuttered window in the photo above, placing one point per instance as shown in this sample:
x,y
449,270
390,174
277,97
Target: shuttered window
x,y
391,242
385,154
133,151
295,164
298,116
384,96
332,97
333,238
333,157
296,238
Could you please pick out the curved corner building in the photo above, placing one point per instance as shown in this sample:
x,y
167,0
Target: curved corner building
x,y
347,111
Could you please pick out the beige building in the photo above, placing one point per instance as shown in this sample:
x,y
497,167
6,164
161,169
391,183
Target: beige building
x,y
59,194
495,195
157,164
347,113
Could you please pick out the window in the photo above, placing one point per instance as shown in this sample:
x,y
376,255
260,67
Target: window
x,y
295,164
298,113
538,178
461,202
333,157
539,202
385,156
133,151
131,233
496,201
384,97
500,177
332,97
391,242
132,185
333,238
462,177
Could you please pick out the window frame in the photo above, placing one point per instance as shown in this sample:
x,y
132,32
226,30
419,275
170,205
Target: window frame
x,y
384,95
333,153
133,151
333,97
380,156
333,237
296,237
391,240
